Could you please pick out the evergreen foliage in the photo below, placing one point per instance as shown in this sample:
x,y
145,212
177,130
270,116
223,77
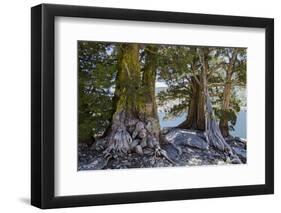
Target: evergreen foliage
x,y
97,71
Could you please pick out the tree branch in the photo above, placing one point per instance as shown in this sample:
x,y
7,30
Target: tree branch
x,y
215,69
148,50
216,84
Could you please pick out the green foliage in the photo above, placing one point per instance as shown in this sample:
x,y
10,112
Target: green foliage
x,y
230,115
235,69
97,71
178,94
175,66
178,64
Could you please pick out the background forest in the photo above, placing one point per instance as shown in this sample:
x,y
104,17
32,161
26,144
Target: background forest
x,y
150,101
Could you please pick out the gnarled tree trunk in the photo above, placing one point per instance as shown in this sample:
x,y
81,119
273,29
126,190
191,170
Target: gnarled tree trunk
x,y
126,101
135,123
212,130
196,114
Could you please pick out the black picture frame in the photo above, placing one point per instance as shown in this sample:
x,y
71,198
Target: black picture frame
x,y
43,110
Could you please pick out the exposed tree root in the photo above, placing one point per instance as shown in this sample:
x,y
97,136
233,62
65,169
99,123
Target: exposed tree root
x,y
131,135
213,134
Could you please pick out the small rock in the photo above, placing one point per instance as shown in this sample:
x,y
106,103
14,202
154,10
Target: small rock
x,y
138,150
242,154
150,143
228,160
143,143
134,143
142,133
148,151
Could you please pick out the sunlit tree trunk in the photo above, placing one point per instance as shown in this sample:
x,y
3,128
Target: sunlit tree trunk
x,y
224,126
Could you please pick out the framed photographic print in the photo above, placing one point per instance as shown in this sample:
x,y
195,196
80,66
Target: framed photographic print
x,y
140,106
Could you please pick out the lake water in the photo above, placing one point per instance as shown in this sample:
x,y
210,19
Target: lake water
x,y
240,127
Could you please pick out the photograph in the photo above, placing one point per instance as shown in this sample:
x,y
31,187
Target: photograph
x,y
132,105
146,105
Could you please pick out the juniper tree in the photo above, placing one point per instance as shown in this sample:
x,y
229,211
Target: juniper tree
x,y
234,71
182,70
134,125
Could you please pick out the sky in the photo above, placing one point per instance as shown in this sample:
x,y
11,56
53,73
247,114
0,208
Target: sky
x,y
160,84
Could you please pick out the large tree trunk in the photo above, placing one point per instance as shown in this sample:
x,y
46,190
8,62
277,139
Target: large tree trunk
x,y
149,78
126,100
212,131
214,136
135,124
196,114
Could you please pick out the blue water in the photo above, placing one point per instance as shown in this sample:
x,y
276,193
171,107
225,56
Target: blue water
x,y
240,129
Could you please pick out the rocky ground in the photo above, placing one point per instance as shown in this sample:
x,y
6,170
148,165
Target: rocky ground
x,y
183,148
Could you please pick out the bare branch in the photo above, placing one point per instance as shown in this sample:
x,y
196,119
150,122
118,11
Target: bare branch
x,y
128,71
148,50
195,76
